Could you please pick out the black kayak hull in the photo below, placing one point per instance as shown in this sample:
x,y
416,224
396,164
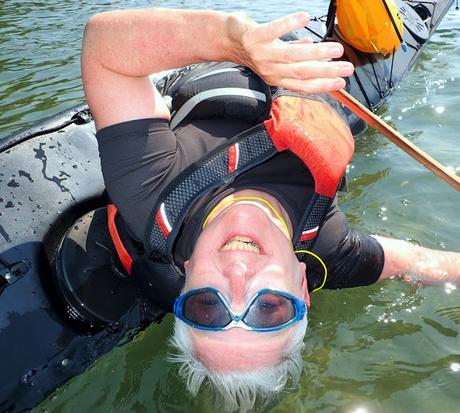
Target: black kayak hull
x,y
49,176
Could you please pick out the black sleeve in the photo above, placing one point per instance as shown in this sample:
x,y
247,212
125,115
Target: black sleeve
x,y
352,259
136,156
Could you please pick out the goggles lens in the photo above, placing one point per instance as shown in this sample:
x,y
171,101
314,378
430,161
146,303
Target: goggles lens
x,y
268,310
205,308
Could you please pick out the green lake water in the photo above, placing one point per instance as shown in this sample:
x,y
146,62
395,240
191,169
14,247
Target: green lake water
x,y
391,347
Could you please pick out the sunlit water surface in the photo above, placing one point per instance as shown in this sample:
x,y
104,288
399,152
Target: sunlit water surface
x,y
391,347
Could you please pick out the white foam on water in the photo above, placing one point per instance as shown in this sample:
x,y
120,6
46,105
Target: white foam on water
x,y
455,367
449,287
360,410
440,109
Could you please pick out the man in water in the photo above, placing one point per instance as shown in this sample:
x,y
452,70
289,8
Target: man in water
x,y
242,313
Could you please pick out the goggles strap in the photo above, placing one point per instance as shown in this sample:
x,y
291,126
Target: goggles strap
x,y
322,264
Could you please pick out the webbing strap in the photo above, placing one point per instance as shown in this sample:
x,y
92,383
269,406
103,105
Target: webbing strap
x,y
188,106
123,254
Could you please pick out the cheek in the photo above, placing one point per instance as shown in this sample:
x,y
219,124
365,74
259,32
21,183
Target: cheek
x,y
201,271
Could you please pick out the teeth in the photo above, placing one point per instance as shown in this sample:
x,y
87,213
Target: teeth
x,y
239,243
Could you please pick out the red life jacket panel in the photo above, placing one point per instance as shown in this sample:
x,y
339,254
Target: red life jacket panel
x,y
316,134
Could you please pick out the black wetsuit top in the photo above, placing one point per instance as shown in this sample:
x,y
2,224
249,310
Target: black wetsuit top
x,y
139,158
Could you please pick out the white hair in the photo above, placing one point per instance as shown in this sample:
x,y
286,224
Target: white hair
x,y
236,390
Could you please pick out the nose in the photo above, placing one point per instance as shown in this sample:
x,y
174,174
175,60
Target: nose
x,y
238,274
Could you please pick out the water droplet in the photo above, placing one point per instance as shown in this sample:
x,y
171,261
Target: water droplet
x,y
12,184
27,377
382,216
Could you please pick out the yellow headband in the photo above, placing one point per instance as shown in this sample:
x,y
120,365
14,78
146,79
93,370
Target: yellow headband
x,y
249,198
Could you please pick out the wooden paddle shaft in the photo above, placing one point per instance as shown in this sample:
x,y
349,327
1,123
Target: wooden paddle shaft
x,y
407,146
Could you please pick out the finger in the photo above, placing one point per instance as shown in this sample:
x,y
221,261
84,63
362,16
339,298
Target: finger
x,y
304,52
266,32
313,86
305,40
315,69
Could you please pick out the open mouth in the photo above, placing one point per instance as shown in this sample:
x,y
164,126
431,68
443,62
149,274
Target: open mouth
x,y
240,243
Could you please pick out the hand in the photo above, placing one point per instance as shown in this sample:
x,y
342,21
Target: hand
x,y
301,65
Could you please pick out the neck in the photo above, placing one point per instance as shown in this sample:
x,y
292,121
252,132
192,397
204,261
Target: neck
x,y
265,201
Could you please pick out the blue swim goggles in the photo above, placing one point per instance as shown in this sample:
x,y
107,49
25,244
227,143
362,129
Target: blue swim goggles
x,y
268,310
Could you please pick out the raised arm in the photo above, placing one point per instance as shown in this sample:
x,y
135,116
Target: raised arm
x,y
122,48
423,264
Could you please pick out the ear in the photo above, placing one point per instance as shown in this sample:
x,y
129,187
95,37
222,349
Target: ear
x,y
186,265
303,269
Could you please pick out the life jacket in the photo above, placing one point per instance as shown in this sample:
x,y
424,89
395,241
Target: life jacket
x,y
308,127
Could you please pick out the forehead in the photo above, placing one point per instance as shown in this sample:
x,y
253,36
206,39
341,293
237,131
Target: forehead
x,y
238,349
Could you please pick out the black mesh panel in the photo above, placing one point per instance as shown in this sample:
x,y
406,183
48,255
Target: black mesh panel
x,y
314,219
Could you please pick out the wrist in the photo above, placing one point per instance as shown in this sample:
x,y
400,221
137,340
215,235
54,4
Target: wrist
x,y
237,25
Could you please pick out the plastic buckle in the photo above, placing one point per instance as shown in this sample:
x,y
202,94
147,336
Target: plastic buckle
x,y
10,273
